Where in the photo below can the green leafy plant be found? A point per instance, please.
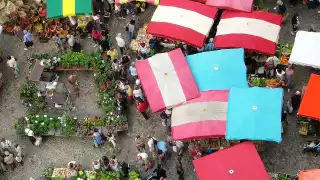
(20, 126)
(71, 59)
(47, 172)
(69, 125)
(31, 98)
(108, 175)
(133, 175)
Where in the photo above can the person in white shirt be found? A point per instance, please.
(96, 165)
(9, 159)
(71, 40)
(5, 144)
(152, 142)
(143, 156)
(121, 43)
(178, 147)
(13, 64)
(18, 152)
(137, 92)
(280, 74)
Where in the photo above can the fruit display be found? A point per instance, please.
(256, 81)
(142, 37)
(61, 172)
(274, 83)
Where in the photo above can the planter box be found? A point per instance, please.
(74, 68)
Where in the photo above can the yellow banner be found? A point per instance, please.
(69, 7)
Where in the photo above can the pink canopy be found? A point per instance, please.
(182, 20)
(256, 31)
(239, 5)
(167, 80)
(202, 117)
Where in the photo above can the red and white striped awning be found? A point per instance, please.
(182, 20)
(203, 117)
(257, 31)
(167, 80)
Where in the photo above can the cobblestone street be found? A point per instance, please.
(285, 157)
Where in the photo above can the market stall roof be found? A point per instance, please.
(219, 70)
(309, 106)
(305, 49)
(238, 162)
(243, 5)
(313, 174)
(183, 20)
(254, 114)
(167, 80)
(256, 31)
(201, 1)
(202, 117)
(63, 8)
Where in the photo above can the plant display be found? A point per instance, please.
(41, 124)
(69, 125)
(256, 81)
(94, 121)
(20, 126)
(47, 172)
(32, 98)
(46, 60)
(108, 175)
(133, 175)
(284, 50)
(71, 59)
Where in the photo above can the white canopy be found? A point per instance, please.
(306, 50)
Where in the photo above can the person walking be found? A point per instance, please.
(131, 29)
(5, 144)
(141, 147)
(179, 168)
(296, 100)
(96, 35)
(152, 143)
(289, 77)
(113, 53)
(18, 153)
(27, 39)
(295, 23)
(71, 41)
(13, 65)
(210, 45)
(133, 70)
(9, 160)
(142, 107)
(121, 43)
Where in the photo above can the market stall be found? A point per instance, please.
(244, 5)
(259, 29)
(167, 80)
(255, 81)
(309, 174)
(212, 70)
(305, 51)
(187, 21)
(65, 8)
(308, 113)
(284, 176)
(241, 161)
(202, 117)
(254, 114)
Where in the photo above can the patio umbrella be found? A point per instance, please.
(256, 31)
(254, 114)
(202, 117)
(313, 174)
(167, 80)
(219, 70)
(182, 20)
(311, 99)
(63, 8)
(239, 162)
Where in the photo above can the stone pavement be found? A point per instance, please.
(286, 157)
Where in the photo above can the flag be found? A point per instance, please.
(167, 80)
(63, 8)
(202, 117)
(182, 20)
(256, 31)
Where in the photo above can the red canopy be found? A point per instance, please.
(239, 162)
(311, 98)
(239, 5)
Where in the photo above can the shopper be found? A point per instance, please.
(161, 173)
(71, 41)
(27, 39)
(58, 43)
(289, 77)
(5, 144)
(12, 63)
(89, 28)
(178, 147)
(18, 153)
(133, 70)
(152, 143)
(104, 44)
(295, 23)
(9, 160)
(96, 165)
(143, 156)
(179, 168)
(142, 107)
(114, 164)
(280, 74)
(210, 45)
(295, 101)
(129, 93)
(96, 35)
(131, 29)
(143, 51)
(113, 54)
(121, 43)
(141, 147)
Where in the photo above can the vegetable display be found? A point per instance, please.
(31, 97)
(71, 59)
(133, 175)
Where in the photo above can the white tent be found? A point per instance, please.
(306, 50)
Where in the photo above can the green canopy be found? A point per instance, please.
(63, 8)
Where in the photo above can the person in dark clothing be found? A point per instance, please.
(282, 9)
(296, 100)
(125, 59)
(76, 47)
(295, 23)
(160, 172)
(89, 28)
(104, 43)
(125, 168)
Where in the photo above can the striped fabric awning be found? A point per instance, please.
(63, 8)
(203, 117)
(257, 31)
(182, 20)
(167, 80)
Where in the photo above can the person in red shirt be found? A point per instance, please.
(142, 107)
(96, 35)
